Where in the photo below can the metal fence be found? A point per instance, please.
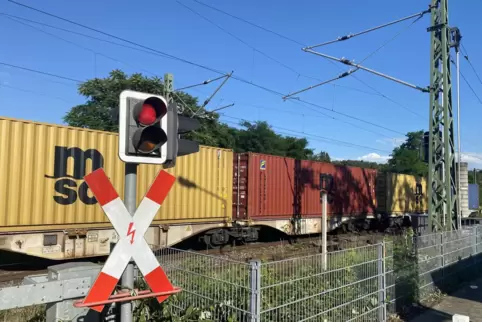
(360, 284)
(419, 267)
(299, 289)
(213, 288)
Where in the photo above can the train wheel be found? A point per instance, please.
(216, 238)
(344, 228)
(351, 227)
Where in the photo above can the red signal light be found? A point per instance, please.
(149, 111)
(148, 114)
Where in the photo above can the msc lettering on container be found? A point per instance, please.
(67, 183)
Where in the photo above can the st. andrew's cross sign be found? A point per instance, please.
(131, 244)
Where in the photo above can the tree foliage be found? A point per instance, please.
(321, 156)
(406, 158)
(360, 164)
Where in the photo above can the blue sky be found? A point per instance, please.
(171, 28)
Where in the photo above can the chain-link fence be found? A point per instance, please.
(359, 284)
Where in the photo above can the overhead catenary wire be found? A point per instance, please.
(348, 73)
(468, 83)
(185, 105)
(118, 38)
(283, 96)
(317, 106)
(321, 116)
(12, 18)
(208, 81)
(75, 44)
(34, 92)
(471, 88)
(243, 41)
(175, 93)
(466, 56)
(299, 102)
(377, 92)
(206, 102)
(350, 116)
(290, 95)
(220, 108)
(349, 36)
(189, 62)
(326, 139)
(250, 23)
(40, 72)
(358, 66)
(183, 60)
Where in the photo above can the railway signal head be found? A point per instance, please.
(149, 129)
(177, 125)
(425, 145)
(143, 128)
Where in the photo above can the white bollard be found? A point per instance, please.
(460, 318)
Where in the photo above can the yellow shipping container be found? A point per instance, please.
(42, 188)
(401, 194)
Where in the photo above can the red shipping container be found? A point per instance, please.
(351, 190)
(267, 186)
(263, 186)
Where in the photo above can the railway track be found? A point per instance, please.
(14, 267)
(279, 249)
(9, 278)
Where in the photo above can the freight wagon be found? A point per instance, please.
(47, 210)
(284, 193)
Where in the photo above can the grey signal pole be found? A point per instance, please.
(130, 200)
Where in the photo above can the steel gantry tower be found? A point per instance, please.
(442, 191)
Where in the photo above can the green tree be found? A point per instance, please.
(406, 158)
(260, 137)
(359, 163)
(321, 156)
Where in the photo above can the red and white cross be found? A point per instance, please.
(131, 230)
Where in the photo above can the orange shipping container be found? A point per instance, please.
(42, 188)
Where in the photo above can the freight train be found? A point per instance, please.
(47, 209)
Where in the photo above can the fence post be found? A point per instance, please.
(255, 290)
(442, 256)
(474, 243)
(381, 282)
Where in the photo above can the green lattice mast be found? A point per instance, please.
(442, 192)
